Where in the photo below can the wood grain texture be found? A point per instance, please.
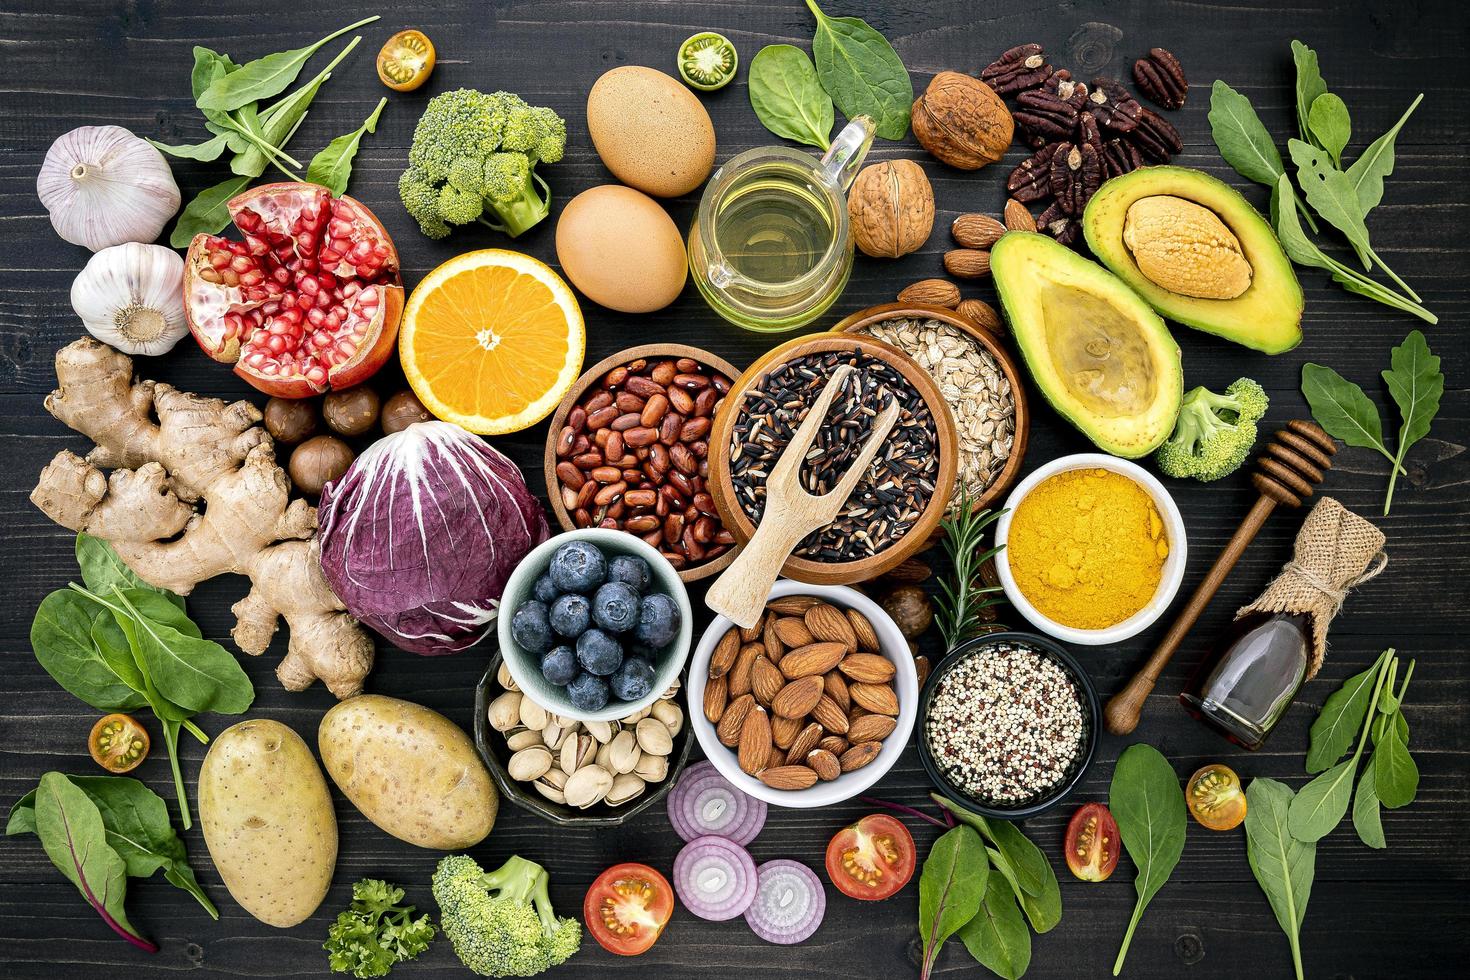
(1397, 913)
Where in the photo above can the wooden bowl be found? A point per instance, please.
(574, 395)
(733, 515)
(1021, 427)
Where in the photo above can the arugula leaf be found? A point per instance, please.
(264, 77)
(210, 149)
(1148, 804)
(1309, 85)
(997, 937)
(1376, 162)
(787, 97)
(1331, 195)
(332, 167)
(1367, 820)
(1283, 865)
(952, 885)
(1416, 384)
(1331, 125)
(207, 214)
(1341, 717)
(862, 72)
(277, 124)
(1245, 144)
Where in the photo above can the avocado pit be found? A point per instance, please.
(1185, 248)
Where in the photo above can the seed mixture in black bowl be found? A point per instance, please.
(889, 498)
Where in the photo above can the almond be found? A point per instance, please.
(871, 728)
(980, 313)
(835, 744)
(931, 292)
(836, 687)
(860, 755)
(792, 605)
(754, 753)
(792, 631)
(749, 634)
(867, 637)
(805, 741)
(789, 777)
(877, 698)
(740, 672)
(766, 681)
(824, 764)
(798, 698)
(785, 731)
(725, 651)
(856, 712)
(733, 720)
(775, 649)
(1017, 217)
(829, 624)
(716, 697)
(976, 230)
(814, 658)
(910, 571)
(867, 668)
(829, 716)
(967, 263)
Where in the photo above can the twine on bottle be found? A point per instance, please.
(1336, 551)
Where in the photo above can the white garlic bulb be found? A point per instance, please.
(131, 297)
(104, 186)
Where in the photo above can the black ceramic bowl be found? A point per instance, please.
(496, 754)
(1091, 708)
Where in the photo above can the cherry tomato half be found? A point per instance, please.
(118, 743)
(627, 908)
(1215, 797)
(872, 859)
(405, 61)
(1092, 843)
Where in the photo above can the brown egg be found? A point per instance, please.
(621, 249)
(651, 131)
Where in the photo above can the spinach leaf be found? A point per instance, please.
(61, 636)
(264, 77)
(207, 213)
(192, 672)
(113, 647)
(1341, 718)
(1395, 775)
(1331, 125)
(210, 149)
(1376, 162)
(1367, 820)
(1282, 863)
(332, 167)
(1341, 408)
(1148, 803)
(1416, 384)
(862, 72)
(1309, 85)
(951, 887)
(787, 98)
(1043, 911)
(72, 834)
(102, 569)
(1241, 137)
(997, 937)
(1026, 860)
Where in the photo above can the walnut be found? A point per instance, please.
(892, 208)
(962, 122)
(1185, 248)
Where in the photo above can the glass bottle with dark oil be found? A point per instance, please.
(1249, 680)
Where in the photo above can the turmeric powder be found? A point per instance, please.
(1087, 548)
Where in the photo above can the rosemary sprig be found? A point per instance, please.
(964, 594)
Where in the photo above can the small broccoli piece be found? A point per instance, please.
(502, 924)
(375, 931)
(1214, 433)
(421, 199)
(460, 207)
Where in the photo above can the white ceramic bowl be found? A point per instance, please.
(525, 666)
(850, 784)
(1169, 580)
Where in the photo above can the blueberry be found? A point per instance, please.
(578, 566)
(633, 680)
(615, 607)
(530, 628)
(545, 590)
(588, 692)
(658, 621)
(571, 614)
(598, 652)
(559, 665)
(631, 570)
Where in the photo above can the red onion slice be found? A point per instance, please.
(789, 903)
(715, 878)
(705, 803)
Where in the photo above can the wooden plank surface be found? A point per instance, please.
(1395, 913)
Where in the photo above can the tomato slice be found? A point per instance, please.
(406, 60)
(627, 908)
(872, 859)
(118, 743)
(1215, 797)
(1092, 843)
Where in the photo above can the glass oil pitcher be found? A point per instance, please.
(770, 248)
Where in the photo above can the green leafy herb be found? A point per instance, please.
(1146, 800)
(1043, 909)
(210, 149)
(61, 636)
(997, 937)
(103, 570)
(376, 931)
(207, 214)
(332, 167)
(1028, 865)
(1245, 144)
(1309, 85)
(1395, 774)
(264, 77)
(862, 72)
(952, 885)
(1282, 863)
(964, 594)
(1331, 125)
(1376, 162)
(787, 97)
(279, 123)
(1341, 718)
(1367, 820)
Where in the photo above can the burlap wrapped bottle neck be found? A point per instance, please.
(1335, 551)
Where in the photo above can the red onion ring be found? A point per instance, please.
(789, 903)
(705, 803)
(714, 878)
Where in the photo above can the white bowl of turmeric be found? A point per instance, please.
(1094, 548)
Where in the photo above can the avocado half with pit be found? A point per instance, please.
(1101, 356)
(1199, 253)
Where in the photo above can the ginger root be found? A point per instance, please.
(195, 494)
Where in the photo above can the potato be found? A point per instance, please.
(268, 821)
(411, 771)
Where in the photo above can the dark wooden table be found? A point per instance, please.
(1394, 913)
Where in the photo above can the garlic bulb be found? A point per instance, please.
(105, 186)
(131, 296)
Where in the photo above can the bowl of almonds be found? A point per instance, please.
(813, 704)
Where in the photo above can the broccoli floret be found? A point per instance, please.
(1214, 433)
(486, 145)
(501, 924)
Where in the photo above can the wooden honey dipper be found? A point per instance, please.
(1293, 466)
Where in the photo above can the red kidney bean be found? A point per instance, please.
(724, 537)
(581, 445)
(663, 373)
(570, 476)
(694, 430)
(569, 498)
(673, 528)
(642, 524)
(640, 436)
(577, 418)
(598, 401)
(653, 539)
(608, 522)
(682, 401)
(691, 381)
(658, 458)
(613, 448)
(585, 495)
(704, 530)
(609, 493)
(616, 510)
(644, 387)
(683, 458)
(654, 411)
(606, 474)
(587, 461)
(615, 377)
(602, 417)
(581, 518)
(565, 440)
(704, 402)
(680, 482)
(661, 509)
(705, 504)
(640, 498)
(668, 429)
(691, 547)
(628, 402)
(624, 422)
(675, 559)
(720, 383)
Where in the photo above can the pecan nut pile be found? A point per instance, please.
(1161, 79)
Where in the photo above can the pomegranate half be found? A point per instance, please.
(309, 300)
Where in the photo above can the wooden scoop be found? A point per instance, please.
(1287, 474)
(791, 513)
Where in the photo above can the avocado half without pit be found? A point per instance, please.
(1101, 356)
(1198, 253)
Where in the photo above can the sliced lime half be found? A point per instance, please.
(707, 61)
